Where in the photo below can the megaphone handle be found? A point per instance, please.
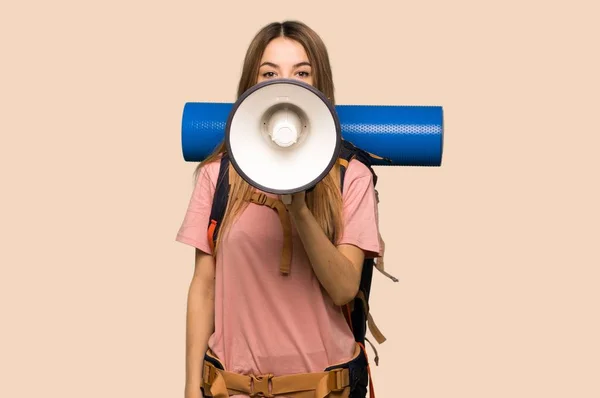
(286, 199)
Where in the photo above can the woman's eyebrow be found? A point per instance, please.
(305, 63)
(267, 63)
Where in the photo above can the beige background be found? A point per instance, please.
(496, 251)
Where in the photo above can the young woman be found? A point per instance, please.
(246, 321)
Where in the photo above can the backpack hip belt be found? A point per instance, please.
(219, 383)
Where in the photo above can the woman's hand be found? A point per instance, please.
(295, 203)
(337, 268)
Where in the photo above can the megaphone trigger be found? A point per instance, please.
(286, 199)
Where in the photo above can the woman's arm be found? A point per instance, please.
(337, 268)
(199, 321)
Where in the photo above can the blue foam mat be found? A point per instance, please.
(406, 135)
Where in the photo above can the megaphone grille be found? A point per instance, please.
(283, 136)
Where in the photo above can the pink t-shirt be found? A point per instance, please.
(266, 322)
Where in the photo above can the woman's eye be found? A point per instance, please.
(303, 74)
(268, 74)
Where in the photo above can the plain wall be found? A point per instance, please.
(496, 250)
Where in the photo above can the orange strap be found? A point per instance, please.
(371, 387)
(211, 233)
(260, 198)
(343, 162)
(370, 322)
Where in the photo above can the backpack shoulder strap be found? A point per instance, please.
(357, 311)
(349, 152)
(219, 205)
(219, 202)
(361, 315)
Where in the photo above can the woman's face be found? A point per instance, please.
(284, 58)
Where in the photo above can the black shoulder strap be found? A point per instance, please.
(219, 202)
(348, 152)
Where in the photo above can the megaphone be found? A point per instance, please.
(283, 135)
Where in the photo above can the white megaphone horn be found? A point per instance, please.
(283, 136)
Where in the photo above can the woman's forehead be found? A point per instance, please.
(283, 51)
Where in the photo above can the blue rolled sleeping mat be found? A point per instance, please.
(405, 135)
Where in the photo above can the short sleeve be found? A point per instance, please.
(194, 228)
(360, 216)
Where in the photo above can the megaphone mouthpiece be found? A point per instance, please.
(284, 127)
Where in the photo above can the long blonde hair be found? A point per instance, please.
(325, 200)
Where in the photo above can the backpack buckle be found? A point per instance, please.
(335, 381)
(209, 374)
(260, 386)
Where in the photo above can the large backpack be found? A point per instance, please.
(357, 312)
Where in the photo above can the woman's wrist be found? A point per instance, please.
(300, 212)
